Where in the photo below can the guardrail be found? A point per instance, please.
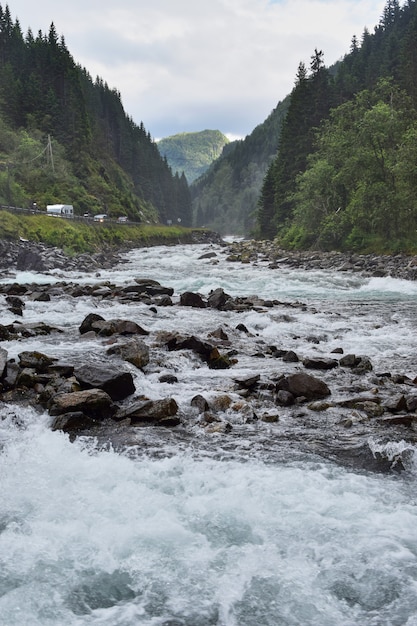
(80, 218)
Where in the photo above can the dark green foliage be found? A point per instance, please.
(225, 198)
(192, 153)
(88, 151)
(346, 172)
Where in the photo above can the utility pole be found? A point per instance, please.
(49, 154)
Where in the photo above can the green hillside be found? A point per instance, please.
(192, 153)
(225, 198)
(65, 138)
(345, 176)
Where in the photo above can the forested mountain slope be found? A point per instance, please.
(225, 197)
(345, 176)
(66, 138)
(191, 154)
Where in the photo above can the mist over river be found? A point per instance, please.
(267, 524)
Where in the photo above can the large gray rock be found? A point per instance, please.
(117, 384)
(304, 385)
(134, 351)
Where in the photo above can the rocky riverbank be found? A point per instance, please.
(23, 255)
(398, 265)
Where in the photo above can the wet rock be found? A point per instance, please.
(117, 327)
(284, 397)
(118, 385)
(189, 298)
(217, 299)
(204, 349)
(168, 378)
(249, 382)
(200, 403)
(290, 357)
(219, 334)
(94, 403)
(162, 412)
(134, 351)
(304, 385)
(320, 363)
(73, 422)
(3, 361)
(87, 323)
(395, 404)
(37, 360)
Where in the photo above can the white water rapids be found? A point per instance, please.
(196, 535)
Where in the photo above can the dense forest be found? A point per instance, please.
(65, 137)
(192, 153)
(225, 198)
(345, 175)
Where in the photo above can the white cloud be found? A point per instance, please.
(189, 65)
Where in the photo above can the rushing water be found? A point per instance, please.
(194, 535)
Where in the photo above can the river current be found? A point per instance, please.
(169, 532)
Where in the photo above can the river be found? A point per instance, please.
(255, 529)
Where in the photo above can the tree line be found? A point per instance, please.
(345, 176)
(65, 137)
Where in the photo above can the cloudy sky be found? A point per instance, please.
(189, 65)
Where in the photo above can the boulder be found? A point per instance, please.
(189, 298)
(94, 403)
(204, 349)
(320, 363)
(73, 422)
(162, 412)
(117, 384)
(217, 299)
(29, 260)
(117, 327)
(37, 360)
(87, 323)
(304, 385)
(134, 351)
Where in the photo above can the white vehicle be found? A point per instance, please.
(63, 210)
(100, 218)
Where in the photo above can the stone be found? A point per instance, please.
(134, 351)
(200, 403)
(117, 384)
(320, 363)
(302, 384)
(94, 403)
(36, 360)
(3, 361)
(217, 299)
(117, 327)
(73, 422)
(162, 412)
(87, 323)
(189, 298)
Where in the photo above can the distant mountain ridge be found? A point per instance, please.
(192, 153)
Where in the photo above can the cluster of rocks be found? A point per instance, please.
(81, 396)
(398, 265)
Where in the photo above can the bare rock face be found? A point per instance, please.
(29, 260)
